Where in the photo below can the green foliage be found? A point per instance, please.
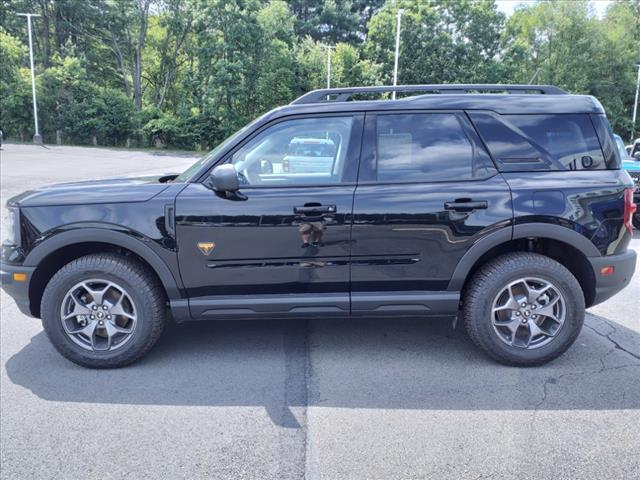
(349, 70)
(79, 109)
(187, 73)
(564, 44)
(15, 87)
(441, 42)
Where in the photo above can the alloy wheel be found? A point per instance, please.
(98, 315)
(528, 313)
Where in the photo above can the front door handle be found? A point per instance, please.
(464, 205)
(315, 209)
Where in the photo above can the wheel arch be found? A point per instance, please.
(567, 247)
(62, 248)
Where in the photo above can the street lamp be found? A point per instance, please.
(37, 138)
(635, 105)
(395, 63)
(328, 47)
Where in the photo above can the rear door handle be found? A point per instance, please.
(466, 205)
(306, 210)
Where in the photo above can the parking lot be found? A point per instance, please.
(324, 399)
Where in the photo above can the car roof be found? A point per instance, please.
(506, 104)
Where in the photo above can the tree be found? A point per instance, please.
(441, 42)
(565, 44)
(190, 72)
(349, 70)
(333, 21)
(16, 115)
(126, 23)
(168, 34)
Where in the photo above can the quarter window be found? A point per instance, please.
(541, 142)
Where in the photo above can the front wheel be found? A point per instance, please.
(103, 310)
(523, 309)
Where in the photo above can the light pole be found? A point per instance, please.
(328, 47)
(37, 138)
(395, 63)
(635, 105)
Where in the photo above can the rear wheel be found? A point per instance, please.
(636, 221)
(523, 309)
(103, 310)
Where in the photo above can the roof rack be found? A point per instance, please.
(344, 94)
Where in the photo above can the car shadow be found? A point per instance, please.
(392, 363)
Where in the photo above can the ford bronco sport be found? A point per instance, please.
(503, 205)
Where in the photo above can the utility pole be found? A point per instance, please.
(635, 105)
(395, 63)
(329, 48)
(37, 138)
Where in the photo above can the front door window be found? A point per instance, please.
(304, 151)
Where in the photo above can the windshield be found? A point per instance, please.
(189, 172)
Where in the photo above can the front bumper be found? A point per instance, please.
(18, 290)
(624, 265)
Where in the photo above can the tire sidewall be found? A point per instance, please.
(574, 304)
(55, 294)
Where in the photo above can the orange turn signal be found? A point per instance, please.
(606, 271)
(19, 277)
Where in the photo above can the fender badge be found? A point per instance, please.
(206, 247)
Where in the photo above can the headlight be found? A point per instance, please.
(11, 226)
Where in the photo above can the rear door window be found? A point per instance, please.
(541, 142)
(426, 147)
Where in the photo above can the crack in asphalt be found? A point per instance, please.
(608, 337)
(603, 368)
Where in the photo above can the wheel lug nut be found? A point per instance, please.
(533, 307)
(101, 322)
(517, 314)
(523, 305)
(92, 317)
(95, 307)
(108, 317)
(104, 307)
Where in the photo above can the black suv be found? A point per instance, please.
(505, 205)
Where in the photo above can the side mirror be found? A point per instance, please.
(636, 155)
(224, 178)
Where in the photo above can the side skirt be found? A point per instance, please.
(239, 307)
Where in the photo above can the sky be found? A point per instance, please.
(508, 6)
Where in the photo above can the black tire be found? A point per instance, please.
(141, 285)
(492, 278)
(636, 221)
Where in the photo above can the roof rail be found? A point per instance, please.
(344, 94)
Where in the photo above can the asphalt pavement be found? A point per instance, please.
(325, 399)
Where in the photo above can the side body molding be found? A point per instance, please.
(113, 237)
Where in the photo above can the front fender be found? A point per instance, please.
(120, 238)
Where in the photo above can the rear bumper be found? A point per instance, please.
(624, 265)
(19, 291)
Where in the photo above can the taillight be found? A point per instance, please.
(629, 209)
